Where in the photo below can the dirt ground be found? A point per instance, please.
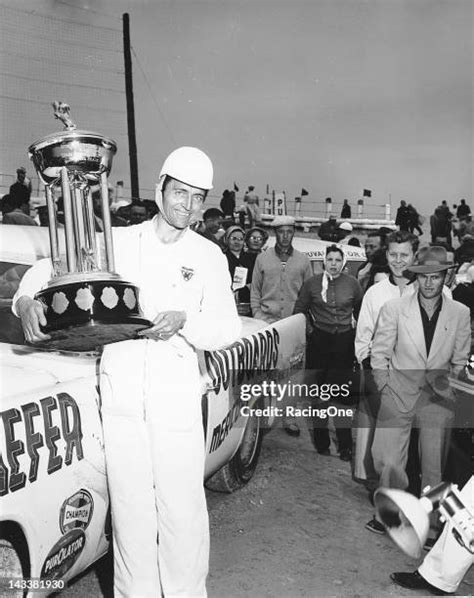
(295, 531)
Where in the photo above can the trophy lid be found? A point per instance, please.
(82, 152)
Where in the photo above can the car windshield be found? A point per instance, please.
(10, 326)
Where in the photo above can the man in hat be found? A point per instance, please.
(420, 340)
(343, 231)
(150, 386)
(278, 276)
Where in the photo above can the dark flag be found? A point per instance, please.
(303, 192)
(235, 187)
(366, 193)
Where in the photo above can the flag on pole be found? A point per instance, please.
(236, 189)
(303, 192)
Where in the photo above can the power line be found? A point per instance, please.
(97, 12)
(67, 42)
(18, 98)
(68, 83)
(74, 64)
(33, 13)
(153, 96)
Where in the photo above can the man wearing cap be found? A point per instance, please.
(278, 276)
(420, 340)
(344, 230)
(150, 387)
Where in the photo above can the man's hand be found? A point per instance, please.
(32, 317)
(166, 325)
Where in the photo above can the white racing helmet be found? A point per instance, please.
(189, 165)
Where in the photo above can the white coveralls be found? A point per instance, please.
(448, 562)
(151, 413)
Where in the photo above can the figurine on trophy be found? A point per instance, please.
(87, 303)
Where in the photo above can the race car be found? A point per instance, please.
(54, 520)
(315, 249)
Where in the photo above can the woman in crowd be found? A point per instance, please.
(238, 258)
(331, 300)
(255, 239)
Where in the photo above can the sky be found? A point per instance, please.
(330, 95)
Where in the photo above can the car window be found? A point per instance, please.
(10, 326)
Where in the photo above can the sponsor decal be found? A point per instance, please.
(221, 431)
(187, 273)
(76, 511)
(243, 360)
(63, 555)
(52, 424)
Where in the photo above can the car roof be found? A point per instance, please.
(315, 249)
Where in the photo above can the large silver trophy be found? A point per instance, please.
(87, 303)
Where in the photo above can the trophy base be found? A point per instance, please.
(91, 336)
(83, 316)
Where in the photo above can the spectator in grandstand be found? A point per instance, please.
(21, 188)
(414, 220)
(138, 213)
(115, 219)
(228, 204)
(465, 252)
(440, 225)
(373, 243)
(331, 300)
(354, 242)
(402, 219)
(328, 230)
(343, 232)
(212, 218)
(346, 210)
(463, 210)
(16, 211)
(464, 291)
(253, 210)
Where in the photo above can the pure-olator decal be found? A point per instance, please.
(63, 555)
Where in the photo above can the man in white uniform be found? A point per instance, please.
(150, 388)
(444, 567)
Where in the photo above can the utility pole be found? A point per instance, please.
(132, 141)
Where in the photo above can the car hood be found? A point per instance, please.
(23, 369)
